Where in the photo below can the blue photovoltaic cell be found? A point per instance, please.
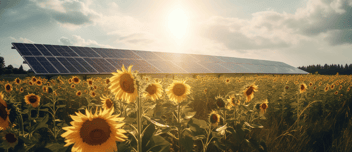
(42, 49)
(68, 65)
(216, 68)
(78, 51)
(127, 54)
(33, 49)
(52, 50)
(206, 58)
(90, 51)
(22, 49)
(146, 55)
(37, 67)
(78, 66)
(192, 67)
(167, 66)
(175, 56)
(141, 65)
(85, 65)
(46, 64)
(101, 52)
(106, 65)
(57, 64)
(95, 65)
(235, 67)
(69, 51)
(62, 51)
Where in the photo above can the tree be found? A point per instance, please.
(2, 62)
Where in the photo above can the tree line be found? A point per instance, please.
(331, 69)
(10, 69)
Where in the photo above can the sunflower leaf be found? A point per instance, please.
(158, 143)
(42, 123)
(155, 123)
(60, 106)
(82, 108)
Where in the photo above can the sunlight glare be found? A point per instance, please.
(178, 23)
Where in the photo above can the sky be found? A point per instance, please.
(296, 32)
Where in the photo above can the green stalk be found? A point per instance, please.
(139, 122)
(180, 128)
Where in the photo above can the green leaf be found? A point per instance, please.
(54, 146)
(44, 109)
(82, 108)
(159, 144)
(197, 126)
(25, 111)
(199, 137)
(187, 141)
(154, 122)
(42, 124)
(189, 114)
(148, 133)
(252, 125)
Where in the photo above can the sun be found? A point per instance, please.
(178, 22)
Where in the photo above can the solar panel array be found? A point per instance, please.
(57, 59)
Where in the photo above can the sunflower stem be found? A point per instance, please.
(139, 121)
(180, 127)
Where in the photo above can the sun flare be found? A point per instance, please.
(178, 22)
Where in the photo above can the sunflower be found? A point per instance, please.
(4, 113)
(348, 89)
(18, 81)
(302, 88)
(95, 87)
(32, 99)
(107, 103)
(34, 79)
(178, 91)
(147, 78)
(107, 81)
(326, 88)
(249, 92)
(91, 133)
(332, 86)
(45, 89)
(72, 86)
(264, 106)
(9, 139)
(8, 87)
(123, 85)
(69, 80)
(336, 92)
(286, 87)
(92, 94)
(153, 91)
(220, 102)
(320, 83)
(340, 87)
(39, 82)
(314, 88)
(21, 89)
(75, 80)
(310, 84)
(233, 101)
(227, 81)
(214, 119)
(90, 82)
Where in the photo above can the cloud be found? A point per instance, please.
(5, 4)
(273, 30)
(139, 39)
(79, 41)
(65, 41)
(23, 40)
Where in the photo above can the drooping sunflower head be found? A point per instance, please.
(220, 102)
(8, 87)
(264, 106)
(9, 139)
(30, 83)
(98, 132)
(302, 87)
(214, 119)
(18, 81)
(153, 91)
(249, 92)
(326, 88)
(314, 87)
(123, 85)
(78, 93)
(90, 82)
(95, 87)
(32, 99)
(107, 102)
(178, 91)
(75, 80)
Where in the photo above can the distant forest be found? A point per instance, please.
(328, 69)
(323, 70)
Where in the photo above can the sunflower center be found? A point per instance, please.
(213, 118)
(107, 81)
(151, 89)
(249, 91)
(126, 83)
(220, 103)
(108, 103)
(3, 112)
(38, 82)
(75, 80)
(90, 82)
(17, 81)
(179, 89)
(34, 79)
(8, 87)
(264, 106)
(95, 132)
(10, 138)
(302, 87)
(33, 99)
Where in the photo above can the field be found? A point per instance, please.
(248, 113)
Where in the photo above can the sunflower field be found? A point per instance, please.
(133, 112)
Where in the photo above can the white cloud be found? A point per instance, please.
(79, 41)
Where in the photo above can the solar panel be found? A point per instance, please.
(46, 64)
(104, 64)
(43, 50)
(175, 56)
(146, 55)
(22, 49)
(127, 54)
(192, 67)
(67, 64)
(79, 51)
(95, 65)
(52, 50)
(101, 52)
(140, 65)
(89, 51)
(235, 67)
(68, 51)
(86, 65)
(216, 68)
(78, 66)
(57, 65)
(206, 58)
(33, 49)
(35, 65)
(167, 66)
